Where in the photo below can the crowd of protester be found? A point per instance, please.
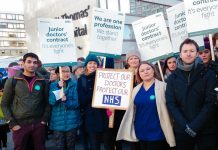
(177, 112)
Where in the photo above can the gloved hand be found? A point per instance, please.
(190, 132)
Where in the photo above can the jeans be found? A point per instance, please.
(37, 133)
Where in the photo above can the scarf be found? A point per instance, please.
(188, 67)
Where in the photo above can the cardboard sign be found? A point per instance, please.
(201, 16)
(177, 25)
(152, 37)
(107, 32)
(57, 44)
(113, 88)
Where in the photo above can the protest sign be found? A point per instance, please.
(201, 16)
(57, 44)
(152, 37)
(107, 32)
(113, 88)
(177, 25)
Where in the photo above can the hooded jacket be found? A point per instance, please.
(28, 103)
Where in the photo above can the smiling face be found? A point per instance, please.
(188, 53)
(133, 62)
(146, 72)
(91, 66)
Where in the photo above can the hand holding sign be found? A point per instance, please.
(113, 88)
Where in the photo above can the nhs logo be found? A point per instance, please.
(112, 100)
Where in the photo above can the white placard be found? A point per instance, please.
(201, 16)
(57, 94)
(107, 31)
(57, 44)
(152, 37)
(113, 88)
(177, 25)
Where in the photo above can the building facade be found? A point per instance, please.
(12, 34)
(134, 9)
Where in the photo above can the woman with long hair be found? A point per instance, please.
(95, 120)
(146, 119)
(169, 66)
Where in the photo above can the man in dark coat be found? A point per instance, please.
(191, 100)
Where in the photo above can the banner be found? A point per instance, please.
(201, 16)
(113, 88)
(177, 25)
(107, 32)
(57, 44)
(152, 37)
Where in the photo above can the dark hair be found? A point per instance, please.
(13, 64)
(215, 37)
(30, 55)
(81, 59)
(165, 66)
(138, 78)
(188, 41)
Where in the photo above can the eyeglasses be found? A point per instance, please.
(65, 71)
(205, 51)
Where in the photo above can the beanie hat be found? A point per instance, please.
(91, 57)
(79, 65)
(133, 53)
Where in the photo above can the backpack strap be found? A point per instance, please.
(14, 82)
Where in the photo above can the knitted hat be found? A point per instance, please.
(91, 57)
(133, 53)
(79, 65)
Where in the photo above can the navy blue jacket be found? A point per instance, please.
(190, 99)
(94, 119)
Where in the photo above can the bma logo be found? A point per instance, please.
(112, 100)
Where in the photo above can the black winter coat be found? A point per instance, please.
(94, 119)
(190, 99)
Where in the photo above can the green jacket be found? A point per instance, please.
(25, 103)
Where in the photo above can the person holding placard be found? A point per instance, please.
(65, 115)
(169, 66)
(95, 120)
(190, 100)
(146, 119)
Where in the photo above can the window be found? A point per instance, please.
(21, 44)
(124, 6)
(3, 25)
(10, 25)
(113, 5)
(6, 43)
(22, 35)
(128, 32)
(11, 34)
(9, 16)
(22, 26)
(20, 17)
(103, 4)
(3, 16)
